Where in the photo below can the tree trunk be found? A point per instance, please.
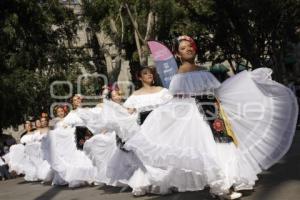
(138, 46)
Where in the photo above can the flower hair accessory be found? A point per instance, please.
(188, 38)
(65, 108)
(113, 88)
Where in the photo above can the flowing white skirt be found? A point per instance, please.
(125, 168)
(263, 115)
(70, 165)
(29, 160)
(238, 174)
(36, 168)
(175, 137)
(112, 117)
(15, 158)
(100, 148)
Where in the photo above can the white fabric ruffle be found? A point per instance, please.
(100, 148)
(28, 138)
(73, 119)
(237, 173)
(148, 102)
(176, 136)
(193, 83)
(35, 166)
(15, 158)
(33, 161)
(117, 119)
(70, 165)
(263, 114)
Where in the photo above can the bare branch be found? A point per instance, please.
(122, 23)
(138, 45)
(150, 25)
(113, 26)
(134, 23)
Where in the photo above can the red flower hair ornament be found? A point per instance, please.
(188, 38)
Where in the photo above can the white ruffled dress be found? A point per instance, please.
(143, 176)
(116, 167)
(15, 158)
(177, 137)
(36, 167)
(263, 115)
(70, 165)
(102, 146)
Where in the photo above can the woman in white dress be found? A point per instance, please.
(102, 146)
(140, 103)
(37, 168)
(15, 157)
(45, 172)
(70, 165)
(177, 136)
(49, 143)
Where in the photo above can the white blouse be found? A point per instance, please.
(73, 119)
(28, 138)
(147, 102)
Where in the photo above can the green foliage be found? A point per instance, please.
(34, 49)
(36, 40)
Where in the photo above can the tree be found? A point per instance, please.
(255, 31)
(35, 47)
(128, 25)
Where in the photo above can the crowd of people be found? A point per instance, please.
(192, 136)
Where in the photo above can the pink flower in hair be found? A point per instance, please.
(188, 38)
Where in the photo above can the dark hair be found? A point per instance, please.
(175, 50)
(139, 72)
(28, 122)
(139, 75)
(109, 95)
(175, 47)
(177, 42)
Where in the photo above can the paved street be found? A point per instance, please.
(281, 182)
